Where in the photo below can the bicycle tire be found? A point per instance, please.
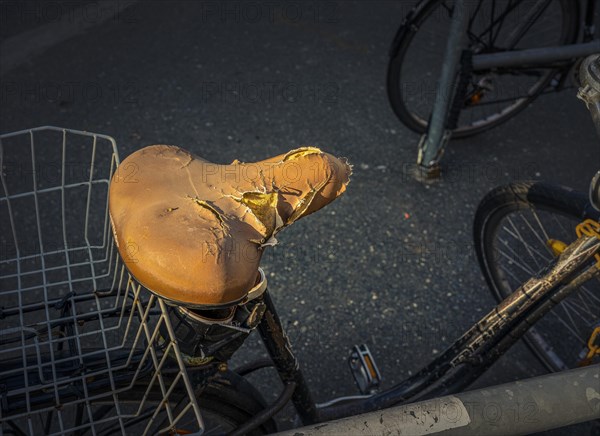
(405, 35)
(227, 402)
(235, 394)
(541, 200)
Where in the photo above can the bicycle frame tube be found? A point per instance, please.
(482, 344)
(461, 380)
(464, 361)
(535, 56)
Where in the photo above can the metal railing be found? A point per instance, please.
(522, 407)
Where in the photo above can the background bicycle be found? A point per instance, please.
(473, 97)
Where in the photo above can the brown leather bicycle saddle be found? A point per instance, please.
(194, 232)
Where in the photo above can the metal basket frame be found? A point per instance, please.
(77, 333)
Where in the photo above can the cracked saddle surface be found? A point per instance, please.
(194, 232)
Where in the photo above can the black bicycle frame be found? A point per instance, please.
(465, 360)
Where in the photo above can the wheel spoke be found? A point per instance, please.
(518, 280)
(491, 34)
(543, 241)
(578, 308)
(512, 261)
(528, 247)
(584, 291)
(490, 28)
(563, 322)
(517, 34)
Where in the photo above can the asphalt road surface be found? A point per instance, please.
(390, 263)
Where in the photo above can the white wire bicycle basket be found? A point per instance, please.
(83, 348)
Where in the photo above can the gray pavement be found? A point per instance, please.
(391, 262)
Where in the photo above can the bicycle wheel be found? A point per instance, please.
(225, 403)
(492, 97)
(512, 229)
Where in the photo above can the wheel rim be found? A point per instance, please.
(520, 251)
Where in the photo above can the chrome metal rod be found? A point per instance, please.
(523, 407)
